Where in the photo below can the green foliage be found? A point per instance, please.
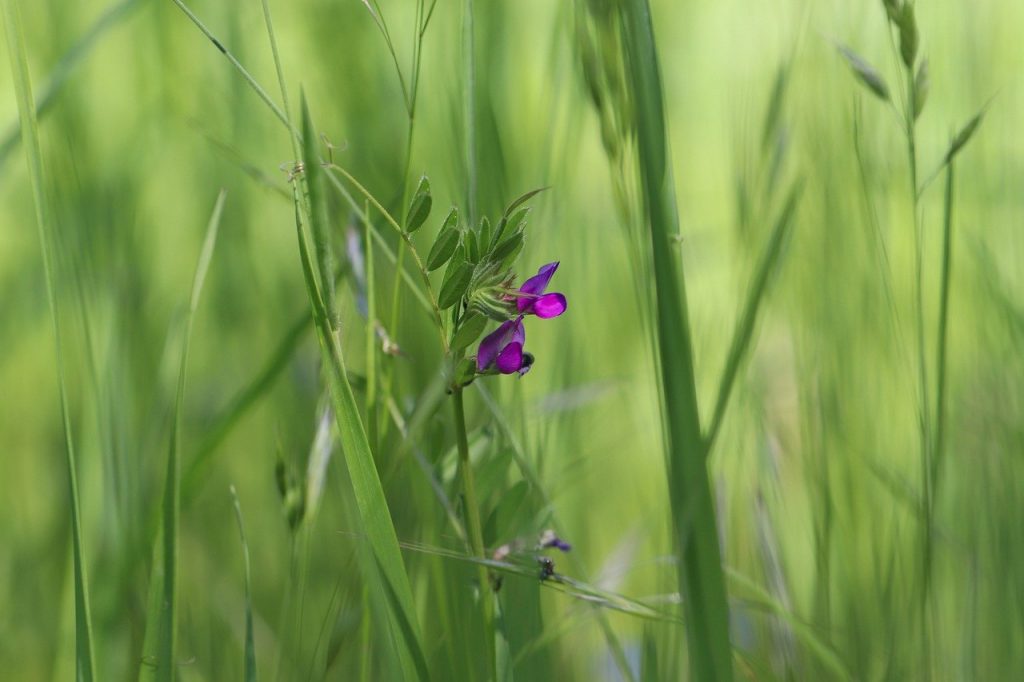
(49, 240)
(456, 283)
(469, 330)
(868, 530)
(374, 515)
(446, 242)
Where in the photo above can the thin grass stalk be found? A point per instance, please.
(168, 629)
(476, 538)
(744, 333)
(407, 239)
(422, 18)
(85, 665)
(531, 476)
(701, 580)
(316, 209)
(250, 640)
(330, 168)
(592, 595)
(469, 57)
(318, 221)
(941, 398)
(372, 422)
(195, 474)
(884, 266)
(253, 83)
(65, 66)
(279, 70)
(924, 407)
(943, 333)
(364, 638)
(373, 512)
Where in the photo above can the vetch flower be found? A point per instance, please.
(502, 350)
(549, 540)
(531, 299)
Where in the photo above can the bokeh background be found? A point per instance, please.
(816, 470)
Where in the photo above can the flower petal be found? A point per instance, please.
(548, 305)
(518, 333)
(510, 359)
(493, 343)
(536, 285)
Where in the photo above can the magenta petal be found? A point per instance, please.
(510, 359)
(518, 334)
(493, 343)
(549, 305)
(536, 285)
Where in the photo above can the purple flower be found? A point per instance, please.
(503, 349)
(533, 300)
(549, 540)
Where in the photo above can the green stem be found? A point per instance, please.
(396, 290)
(371, 344)
(475, 534)
(470, 103)
(922, 360)
(941, 397)
(257, 88)
(407, 239)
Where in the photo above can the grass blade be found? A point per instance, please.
(818, 647)
(317, 218)
(524, 567)
(701, 580)
(250, 645)
(85, 666)
(67, 63)
(257, 88)
(240, 405)
(745, 331)
(167, 638)
(368, 492)
(371, 339)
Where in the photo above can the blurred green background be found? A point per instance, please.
(816, 469)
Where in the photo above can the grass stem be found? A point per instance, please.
(472, 508)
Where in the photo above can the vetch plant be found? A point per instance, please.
(477, 286)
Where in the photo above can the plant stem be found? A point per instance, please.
(396, 290)
(475, 534)
(408, 241)
(470, 103)
(922, 364)
(372, 425)
(410, 106)
(941, 397)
